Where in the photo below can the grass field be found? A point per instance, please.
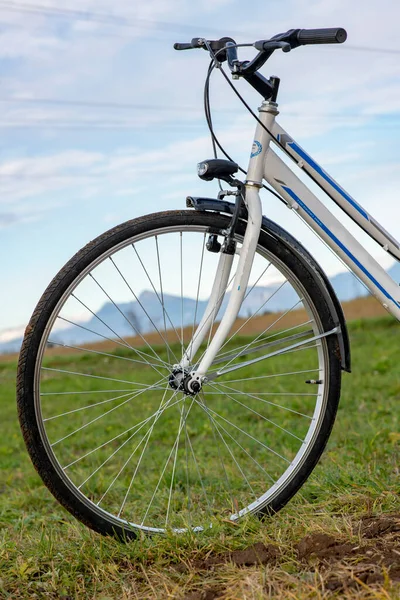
(339, 537)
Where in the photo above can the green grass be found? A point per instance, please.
(45, 553)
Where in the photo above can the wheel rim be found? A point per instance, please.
(150, 457)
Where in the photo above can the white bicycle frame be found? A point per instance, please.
(266, 164)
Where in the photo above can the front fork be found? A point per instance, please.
(255, 174)
(221, 282)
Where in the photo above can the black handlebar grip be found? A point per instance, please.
(179, 46)
(195, 43)
(333, 35)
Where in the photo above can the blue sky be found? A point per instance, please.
(69, 169)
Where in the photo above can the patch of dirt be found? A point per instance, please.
(343, 564)
(373, 527)
(362, 574)
(257, 554)
(354, 564)
(324, 546)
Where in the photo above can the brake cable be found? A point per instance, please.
(215, 63)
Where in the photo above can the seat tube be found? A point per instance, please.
(253, 184)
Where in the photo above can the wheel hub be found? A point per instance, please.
(181, 379)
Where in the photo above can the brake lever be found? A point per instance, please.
(271, 45)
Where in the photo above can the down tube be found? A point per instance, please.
(329, 228)
(337, 193)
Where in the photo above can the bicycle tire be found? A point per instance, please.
(33, 378)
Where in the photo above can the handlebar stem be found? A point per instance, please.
(232, 55)
(260, 84)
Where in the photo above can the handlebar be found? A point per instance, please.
(285, 41)
(226, 49)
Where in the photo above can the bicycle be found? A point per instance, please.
(154, 412)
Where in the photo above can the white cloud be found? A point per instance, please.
(53, 165)
(59, 57)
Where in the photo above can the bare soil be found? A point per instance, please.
(257, 554)
(371, 556)
(373, 559)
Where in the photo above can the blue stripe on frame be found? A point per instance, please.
(325, 176)
(339, 243)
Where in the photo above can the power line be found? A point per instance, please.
(126, 128)
(114, 20)
(370, 49)
(131, 106)
(93, 126)
(138, 23)
(96, 104)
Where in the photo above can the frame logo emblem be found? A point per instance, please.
(255, 149)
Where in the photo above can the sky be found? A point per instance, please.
(101, 119)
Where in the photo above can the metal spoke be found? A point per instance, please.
(199, 283)
(213, 315)
(216, 427)
(121, 469)
(253, 315)
(199, 474)
(146, 437)
(112, 455)
(256, 339)
(165, 466)
(271, 376)
(104, 414)
(187, 462)
(155, 291)
(263, 393)
(138, 425)
(93, 376)
(144, 448)
(145, 311)
(86, 407)
(220, 355)
(303, 348)
(114, 341)
(125, 343)
(241, 447)
(82, 392)
(90, 351)
(162, 296)
(181, 263)
(221, 460)
(173, 471)
(262, 416)
(254, 284)
(281, 332)
(248, 435)
(248, 349)
(126, 318)
(215, 374)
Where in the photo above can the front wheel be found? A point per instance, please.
(114, 438)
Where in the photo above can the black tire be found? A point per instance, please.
(35, 344)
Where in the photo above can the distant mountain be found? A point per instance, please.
(146, 314)
(347, 287)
